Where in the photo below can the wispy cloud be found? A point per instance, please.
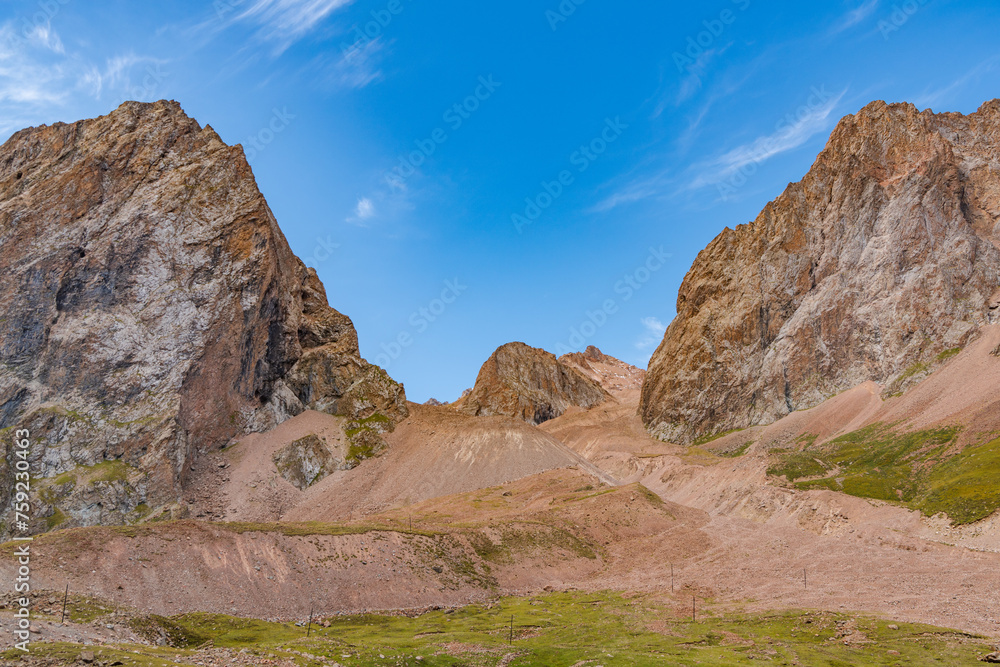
(365, 208)
(786, 137)
(933, 98)
(364, 211)
(46, 37)
(286, 21)
(116, 76)
(855, 16)
(355, 68)
(39, 78)
(652, 334)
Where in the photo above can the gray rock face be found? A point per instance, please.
(152, 308)
(305, 462)
(530, 384)
(883, 256)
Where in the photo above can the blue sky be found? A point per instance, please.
(467, 174)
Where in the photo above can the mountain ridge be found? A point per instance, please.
(885, 255)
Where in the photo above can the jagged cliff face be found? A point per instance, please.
(883, 256)
(530, 384)
(152, 309)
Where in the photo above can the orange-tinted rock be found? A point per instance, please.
(883, 256)
(530, 384)
(152, 308)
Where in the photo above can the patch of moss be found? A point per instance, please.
(518, 540)
(913, 369)
(108, 471)
(796, 465)
(56, 519)
(316, 528)
(948, 354)
(364, 437)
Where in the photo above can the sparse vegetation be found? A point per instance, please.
(705, 439)
(948, 354)
(560, 629)
(735, 453)
(918, 469)
(364, 437)
(793, 465)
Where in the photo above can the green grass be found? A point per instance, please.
(515, 541)
(705, 439)
(109, 471)
(735, 453)
(914, 369)
(557, 630)
(795, 465)
(965, 486)
(916, 469)
(364, 437)
(56, 519)
(948, 354)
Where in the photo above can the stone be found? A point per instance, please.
(529, 384)
(885, 254)
(305, 461)
(153, 311)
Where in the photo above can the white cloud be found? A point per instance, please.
(855, 16)
(365, 208)
(786, 137)
(354, 68)
(45, 37)
(363, 212)
(286, 21)
(652, 334)
(39, 79)
(935, 98)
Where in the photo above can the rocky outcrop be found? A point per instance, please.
(306, 461)
(152, 308)
(613, 375)
(885, 255)
(529, 384)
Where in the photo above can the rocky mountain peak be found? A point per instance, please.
(885, 255)
(530, 384)
(154, 310)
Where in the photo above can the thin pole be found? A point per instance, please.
(805, 581)
(694, 617)
(65, 599)
(511, 642)
(671, 577)
(309, 625)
